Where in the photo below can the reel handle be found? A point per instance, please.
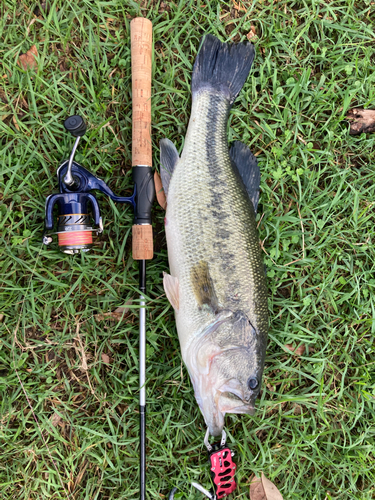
(141, 58)
(76, 125)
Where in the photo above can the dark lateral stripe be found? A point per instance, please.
(216, 141)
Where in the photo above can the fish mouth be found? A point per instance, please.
(217, 404)
(214, 409)
(244, 409)
(232, 403)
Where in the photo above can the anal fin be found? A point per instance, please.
(247, 167)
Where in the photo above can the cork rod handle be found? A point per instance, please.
(141, 57)
(141, 54)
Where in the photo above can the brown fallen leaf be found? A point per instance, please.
(43, 7)
(55, 419)
(84, 365)
(120, 313)
(105, 358)
(80, 474)
(300, 350)
(109, 316)
(257, 490)
(28, 60)
(263, 489)
(160, 194)
(62, 66)
(252, 33)
(272, 493)
(124, 309)
(14, 119)
(164, 7)
(361, 121)
(2, 318)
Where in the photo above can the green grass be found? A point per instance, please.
(313, 434)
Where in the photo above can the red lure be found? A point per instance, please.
(223, 469)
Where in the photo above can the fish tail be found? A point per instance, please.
(222, 67)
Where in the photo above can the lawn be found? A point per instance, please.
(67, 355)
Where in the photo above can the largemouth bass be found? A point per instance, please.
(217, 284)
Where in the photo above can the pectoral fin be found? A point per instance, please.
(203, 286)
(171, 287)
(168, 160)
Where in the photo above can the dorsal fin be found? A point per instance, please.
(168, 160)
(247, 166)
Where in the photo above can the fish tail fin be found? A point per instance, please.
(222, 67)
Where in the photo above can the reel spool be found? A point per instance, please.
(74, 227)
(76, 203)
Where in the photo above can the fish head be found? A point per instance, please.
(228, 369)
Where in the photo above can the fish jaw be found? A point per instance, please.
(207, 397)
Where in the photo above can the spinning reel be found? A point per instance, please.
(74, 223)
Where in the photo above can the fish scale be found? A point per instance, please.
(215, 260)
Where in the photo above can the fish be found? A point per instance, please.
(217, 284)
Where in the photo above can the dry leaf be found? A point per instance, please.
(62, 67)
(55, 419)
(263, 489)
(257, 490)
(28, 60)
(252, 33)
(43, 6)
(272, 493)
(2, 318)
(105, 358)
(116, 315)
(361, 121)
(83, 354)
(160, 194)
(80, 474)
(14, 119)
(111, 316)
(124, 309)
(164, 7)
(300, 350)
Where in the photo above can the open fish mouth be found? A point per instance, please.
(214, 410)
(231, 403)
(244, 409)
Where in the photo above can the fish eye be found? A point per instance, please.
(252, 383)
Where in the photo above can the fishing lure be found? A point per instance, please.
(222, 468)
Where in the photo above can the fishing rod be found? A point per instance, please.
(141, 56)
(77, 205)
